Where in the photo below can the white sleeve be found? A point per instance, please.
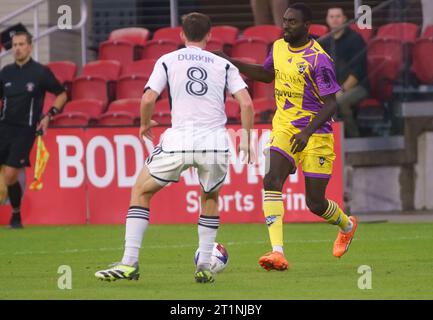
(158, 78)
(234, 79)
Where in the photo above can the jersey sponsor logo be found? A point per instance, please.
(30, 86)
(290, 78)
(196, 86)
(287, 94)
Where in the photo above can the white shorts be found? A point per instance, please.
(167, 166)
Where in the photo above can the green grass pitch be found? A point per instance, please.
(400, 256)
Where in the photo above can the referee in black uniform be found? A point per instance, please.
(22, 89)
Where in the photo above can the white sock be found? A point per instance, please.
(137, 221)
(207, 231)
(278, 249)
(348, 227)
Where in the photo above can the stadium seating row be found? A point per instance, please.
(105, 81)
(126, 112)
(111, 81)
(129, 44)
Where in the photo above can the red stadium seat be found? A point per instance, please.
(215, 44)
(72, 119)
(263, 90)
(162, 113)
(318, 30)
(137, 36)
(422, 65)
(140, 67)
(365, 33)
(157, 48)
(233, 110)
(263, 108)
(428, 32)
(269, 33)
(126, 105)
(119, 118)
(90, 107)
(130, 86)
(78, 113)
(87, 87)
(122, 51)
(253, 48)
(64, 71)
(406, 32)
(382, 71)
(168, 33)
(107, 69)
(227, 34)
(391, 49)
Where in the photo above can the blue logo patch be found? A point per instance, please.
(270, 220)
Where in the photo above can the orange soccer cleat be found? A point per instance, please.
(274, 261)
(343, 241)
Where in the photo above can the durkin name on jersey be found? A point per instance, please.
(194, 57)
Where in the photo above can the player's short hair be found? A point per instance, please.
(25, 34)
(338, 7)
(307, 14)
(196, 26)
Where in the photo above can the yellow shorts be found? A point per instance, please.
(316, 159)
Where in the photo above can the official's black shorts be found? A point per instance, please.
(15, 145)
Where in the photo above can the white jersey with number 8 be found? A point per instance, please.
(197, 81)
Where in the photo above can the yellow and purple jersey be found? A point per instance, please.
(302, 77)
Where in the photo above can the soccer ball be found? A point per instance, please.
(218, 260)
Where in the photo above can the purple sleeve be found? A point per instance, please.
(324, 76)
(269, 61)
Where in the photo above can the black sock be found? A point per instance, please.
(15, 193)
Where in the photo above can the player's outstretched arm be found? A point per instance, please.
(247, 120)
(299, 141)
(255, 72)
(147, 106)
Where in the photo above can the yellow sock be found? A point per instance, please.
(274, 212)
(335, 215)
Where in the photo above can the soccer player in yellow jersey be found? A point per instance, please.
(305, 87)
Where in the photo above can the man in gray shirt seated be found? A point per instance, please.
(349, 52)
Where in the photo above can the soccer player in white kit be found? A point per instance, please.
(197, 81)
